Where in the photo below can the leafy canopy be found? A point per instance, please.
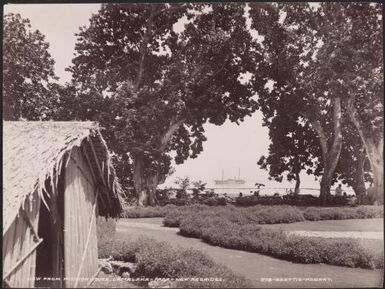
(153, 74)
(28, 71)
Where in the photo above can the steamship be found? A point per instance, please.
(234, 181)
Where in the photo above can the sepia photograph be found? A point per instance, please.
(193, 145)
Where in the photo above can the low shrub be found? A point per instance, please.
(292, 200)
(222, 232)
(341, 213)
(274, 215)
(215, 201)
(146, 212)
(247, 201)
(177, 202)
(252, 215)
(301, 200)
(156, 259)
(174, 216)
(261, 214)
(105, 230)
(105, 227)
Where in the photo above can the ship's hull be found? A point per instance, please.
(230, 182)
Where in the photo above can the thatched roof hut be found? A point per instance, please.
(58, 177)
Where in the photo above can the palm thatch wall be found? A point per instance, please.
(54, 165)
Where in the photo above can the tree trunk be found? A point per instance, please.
(375, 156)
(297, 183)
(325, 189)
(330, 155)
(359, 189)
(374, 150)
(359, 180)
(145, 185)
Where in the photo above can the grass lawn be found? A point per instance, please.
(361, 225)
(255, 266)
(156, 259)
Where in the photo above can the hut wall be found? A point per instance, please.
(79, 218)
(18, 241)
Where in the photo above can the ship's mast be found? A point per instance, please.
(222, 179)
(239, 173)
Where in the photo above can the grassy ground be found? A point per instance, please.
(358, 225)
(260, 214)
(155, 259)
(361, 225)
(374, 247)
(220, 231)
(255, 266)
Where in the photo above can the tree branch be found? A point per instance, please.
(337, 115)
(316, 124)
(143, 50)
(174, 126)
(367, 140)
(172, 9)
(355, 118)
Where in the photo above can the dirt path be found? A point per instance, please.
(256, 267)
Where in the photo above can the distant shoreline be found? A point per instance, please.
(234, 192)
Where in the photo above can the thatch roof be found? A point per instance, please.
(33, 151)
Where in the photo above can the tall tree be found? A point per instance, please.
(289, 44)
(364, 83)
(350, 66)
(161, 71)
(313, 54)
(353, 167)
(292, 150)
(28, 71)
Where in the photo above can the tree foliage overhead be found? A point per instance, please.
(321, 67)
(294, 146)
(153, 74)
(28, 71)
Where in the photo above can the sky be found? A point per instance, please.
(229, 147)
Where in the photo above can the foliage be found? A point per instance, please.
(106, 231)
(28, 72)
(153, 87)
(246, 201)
(146, 212)
(338, 213)
(222, 232)
(347, 66)
(242, 216)
(183, 198)
(174, 217)
(206, 197)
(291, 150)
(198, 187)
(317, 57)
(156, 259)
(183, 184)
(260, 214)
(353, 167)
(301, 200)
(294, 146)
(251, 212)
